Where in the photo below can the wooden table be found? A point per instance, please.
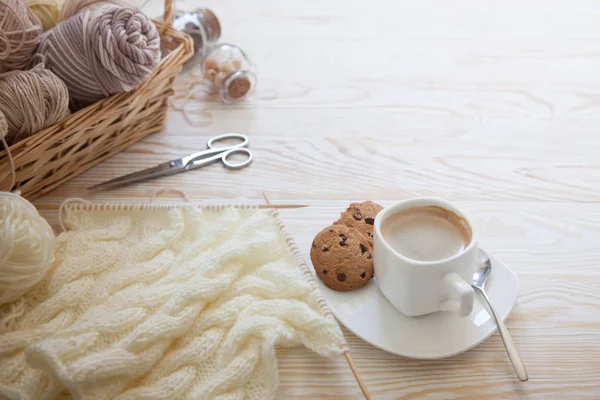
(493, 105)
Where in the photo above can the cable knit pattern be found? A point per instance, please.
(164, 302)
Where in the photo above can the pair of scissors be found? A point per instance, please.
(196, 160)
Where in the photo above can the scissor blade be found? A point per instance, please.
(164, 169)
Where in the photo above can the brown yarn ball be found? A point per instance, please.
(72, 7)
(20, 31)
(102, 52)
(31, 101)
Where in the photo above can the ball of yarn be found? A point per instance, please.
(48, 11)
(31, 100)
(26, 246)
(20, 31)
(72, 7)
(102, 52)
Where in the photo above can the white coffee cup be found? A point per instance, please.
(424, 284)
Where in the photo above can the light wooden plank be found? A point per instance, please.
(382, 166)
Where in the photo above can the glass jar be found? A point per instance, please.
(203, 27)
(228, 69)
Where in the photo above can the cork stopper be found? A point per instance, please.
(239, 87)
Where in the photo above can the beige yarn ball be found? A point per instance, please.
(48, 11)
(26, 247)
(20, 31)
(32, 100)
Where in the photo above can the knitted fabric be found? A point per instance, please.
(164, 302)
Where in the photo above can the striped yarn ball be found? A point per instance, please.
(102, 52)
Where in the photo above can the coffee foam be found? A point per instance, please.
(428, 233)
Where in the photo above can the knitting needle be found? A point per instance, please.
(361, 384)
(54, 207)
(347, 354)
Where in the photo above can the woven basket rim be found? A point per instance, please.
(61, 151)
(179, 55)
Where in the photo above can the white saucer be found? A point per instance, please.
(369, 315)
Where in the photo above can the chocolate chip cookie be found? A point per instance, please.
(361, 216)
(342, 257)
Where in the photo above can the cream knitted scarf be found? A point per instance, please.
(164, 302)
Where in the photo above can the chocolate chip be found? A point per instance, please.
(314, 246)
(369, 220)
(325, 248)
(331, 231)
(341, 277)
(370, 234)
(324, 272)
(343, 239)
(357, 215)
(363, 275)
(363, 249)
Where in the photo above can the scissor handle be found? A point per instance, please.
(219, 138)
(233, 164)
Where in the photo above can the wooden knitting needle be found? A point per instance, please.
(361, 384)
(347, 354)
(54, 207)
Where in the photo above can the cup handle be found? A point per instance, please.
(460, 299)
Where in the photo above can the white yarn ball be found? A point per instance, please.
(26, 246)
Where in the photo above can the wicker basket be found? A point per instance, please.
(64, 150)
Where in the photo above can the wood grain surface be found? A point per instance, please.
(494, 105)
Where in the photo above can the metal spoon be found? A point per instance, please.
(479, 279)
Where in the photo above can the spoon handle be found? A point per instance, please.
(511, 349)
